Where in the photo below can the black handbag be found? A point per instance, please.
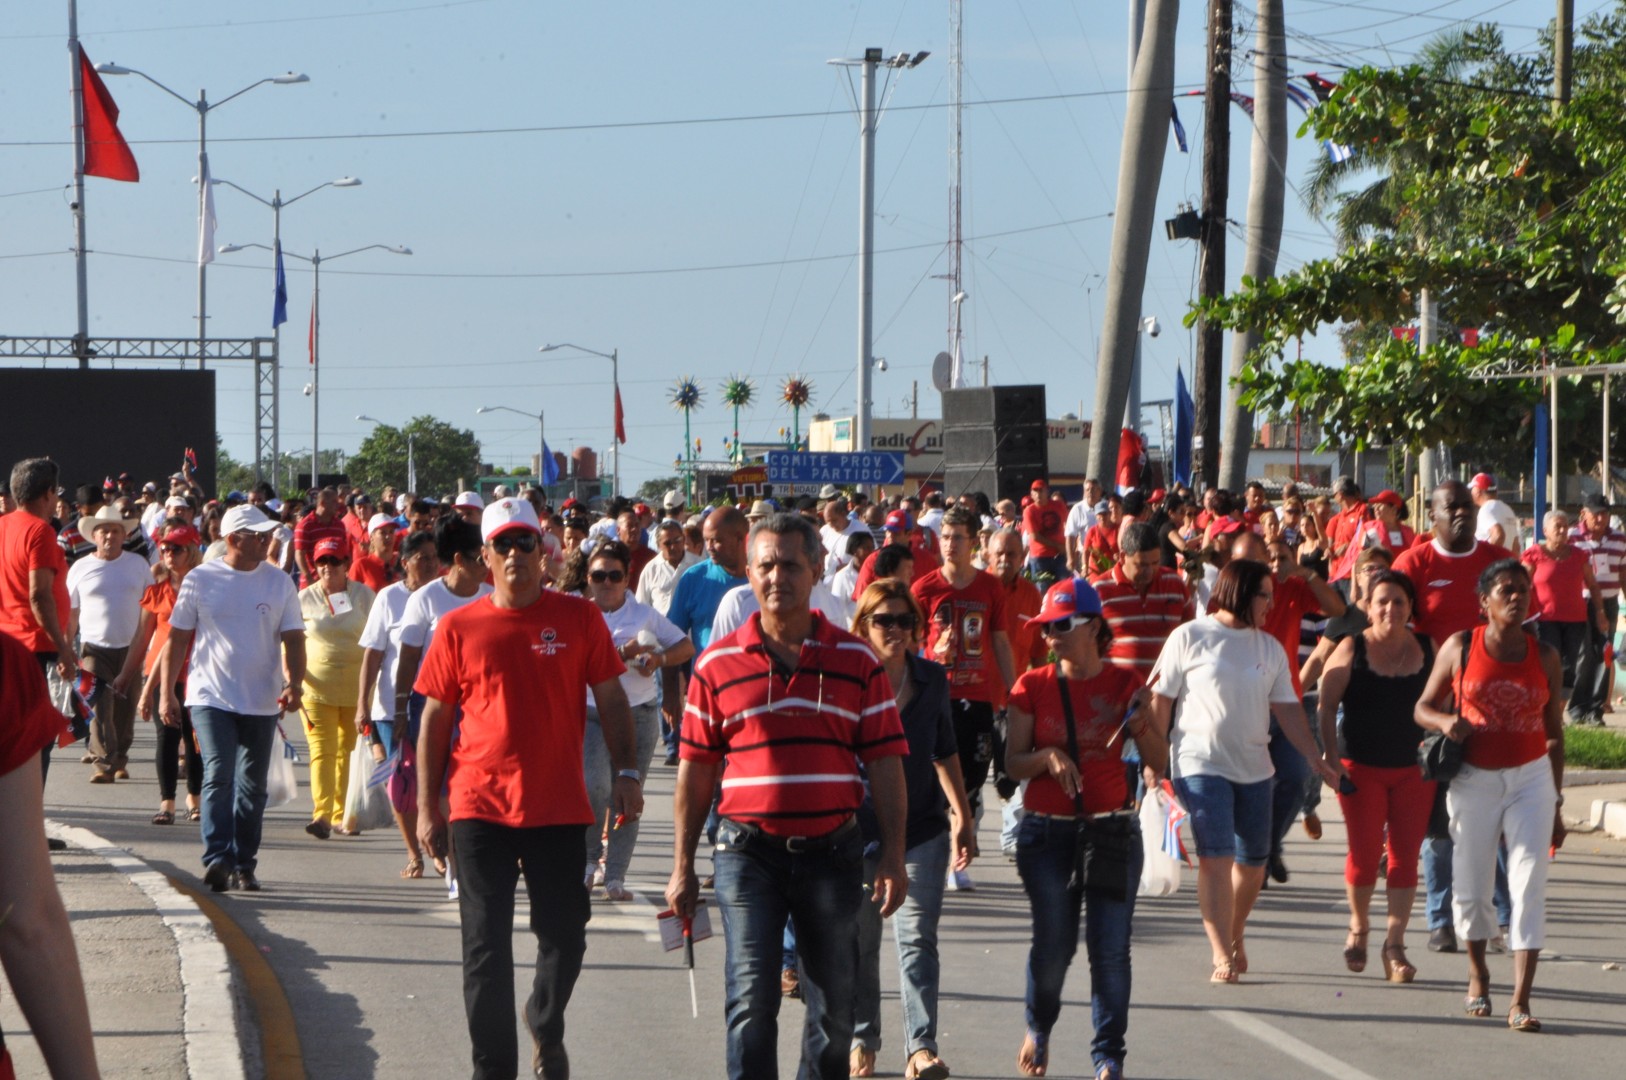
(1101, 855)
(1439, 757)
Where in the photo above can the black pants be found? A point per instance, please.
(173, 740)
(1591, 672)
(974, 731)
(488, 861)
(47, 662)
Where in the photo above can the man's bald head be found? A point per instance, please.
(724, 535)
(1248, 545)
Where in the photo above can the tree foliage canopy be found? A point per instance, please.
(444, 456)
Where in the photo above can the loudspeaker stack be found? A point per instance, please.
(994, 440)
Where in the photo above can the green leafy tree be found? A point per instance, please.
(651, 491)
(443, 455)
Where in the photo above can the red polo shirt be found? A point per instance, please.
(1141, 624)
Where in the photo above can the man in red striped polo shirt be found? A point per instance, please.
(794, 705)
(1142, 601)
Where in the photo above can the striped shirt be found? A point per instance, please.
(1140, 625)
(1608, 554)
(793, 743)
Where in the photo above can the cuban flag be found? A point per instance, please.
(1173, 846)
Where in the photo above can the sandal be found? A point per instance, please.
(1355, 951)
(925, 1065)
(616, 892)
(164, 817)
(1109, 1070)
(1519, 1020)
(1239, 957)
(1479, 1005)
(1396, 968)
(413, 868)
(1034, 1057)
(1225, 972)
(861, 1061)
(194, 813)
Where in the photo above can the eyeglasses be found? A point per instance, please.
(1065, 626)
(524, 542)
(330, 560)
(904, 620)
(614, 577)
(171, 549)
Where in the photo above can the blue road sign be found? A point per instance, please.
(786, 467)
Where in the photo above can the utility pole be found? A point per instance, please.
(1137, 26)
(1563, 54)
(866, 245)
(81, 343)
(956, 289)
(1209, 392)
(1428, 459)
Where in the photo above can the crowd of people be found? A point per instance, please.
(838, 681)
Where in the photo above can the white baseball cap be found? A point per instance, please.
(673, 500)
(177, 502)
(245, 518)
(379, 521)
(402, 501)
(506, 515)
(469, 498)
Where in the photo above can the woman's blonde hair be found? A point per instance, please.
(879, 593)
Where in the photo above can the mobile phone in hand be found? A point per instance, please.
(1346, 786)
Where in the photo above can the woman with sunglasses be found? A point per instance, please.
(1079, 845)
(1218, 681)
(335, 610)
(647, 641)
(178, 553)
(938, 833)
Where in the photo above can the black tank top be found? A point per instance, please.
(1378, 727)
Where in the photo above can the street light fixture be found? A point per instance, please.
(542, 439)
(614, 357)
(203, 106)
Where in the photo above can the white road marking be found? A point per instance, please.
(1277, 1039)
(636, 916)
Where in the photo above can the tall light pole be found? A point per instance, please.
(614, 357)
(316, 259)
(203, 106)
(541, 439)
(276, 203)
(412, 464)
(868, 117)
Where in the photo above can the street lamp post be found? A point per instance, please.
(412, 464)
(614, 357)
(203, 106)
(541, 439)
(276, 203)
(316, 259)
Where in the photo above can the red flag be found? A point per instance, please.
(1131, 459)
(106, 152)
(311, 340)
(620, 418)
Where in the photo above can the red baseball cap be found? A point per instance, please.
(1066, 598)
(898, 521)
(1226, 525)
(1038, 485)
(1158, 495)
(183, 535)
(1390, 497)
(330, 546)
(1483, 482)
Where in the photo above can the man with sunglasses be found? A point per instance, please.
(238, 615)
(519, 664)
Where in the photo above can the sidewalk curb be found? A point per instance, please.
(209, 1018)
(1610, 816)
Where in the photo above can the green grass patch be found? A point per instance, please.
(1594, 748)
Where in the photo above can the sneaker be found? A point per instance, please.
(1498, 944)
(790, 984)
(101, 777)
(549, 1062)
(672, 760)
(1278, 870)
(617, 892)
(121, 774)
(960, 881)
(245, 881)
(1312, 825)
(53, 844)
(217, 876)
(1442, 939)
(319, 829)
(598, 875)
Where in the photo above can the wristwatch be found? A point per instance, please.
(629, 774)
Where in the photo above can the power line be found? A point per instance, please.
(239, 23)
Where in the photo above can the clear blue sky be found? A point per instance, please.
(561, 219)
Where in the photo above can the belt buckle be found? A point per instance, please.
(796, 845)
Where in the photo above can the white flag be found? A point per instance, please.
(206, 217)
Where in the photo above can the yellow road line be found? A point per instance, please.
(279, 1037)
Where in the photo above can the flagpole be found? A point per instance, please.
(81, 344)
(316, 348)
(276, 333)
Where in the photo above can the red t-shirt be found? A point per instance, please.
(793, 744)
(1045, 519)
(1028, 647)
(1292, 602)
(1098, 708)
(1557, 586)
(370, 570)
(26, 544)
(521, 676)
(356, 529)
(641, 556)
(976, 612)
(866, 573)
(159, 599)
(1101, 547)
(1343, 525)
(29, 721)
(1447, 585)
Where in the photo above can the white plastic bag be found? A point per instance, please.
(366, 806)
(281, 785)
(1160, 874)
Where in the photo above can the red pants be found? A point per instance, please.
(1397, 798)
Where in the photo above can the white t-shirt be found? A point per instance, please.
(835, 545)
(383, 634)
(239, 617)
(634, 621)
(425, 608)
(1080, 520)
(740, 603)
(107, 594)
(932, 519)
(658, 580)
(1223, 682)
(1497, 512)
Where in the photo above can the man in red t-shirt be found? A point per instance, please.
(900, 530)
(1342, 526)
(322, 523)
(519, 664)
(966, 633)
(1044, 521)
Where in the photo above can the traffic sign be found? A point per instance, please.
(787, 467)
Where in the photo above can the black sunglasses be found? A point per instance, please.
(329, 561)
(524, 542)
(902, 621)
(615, 577)
(171, 549)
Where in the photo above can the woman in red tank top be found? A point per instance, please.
(1508, 716)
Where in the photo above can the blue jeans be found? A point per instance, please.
(1313, 787)
(1228, 820)
(1438, 852)
(600, 774)
(1287, 786)
(758, 886)
(236, 759)
(914, 928)
(1045, 853)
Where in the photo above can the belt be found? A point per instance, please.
(1076, 817)
(797, 845)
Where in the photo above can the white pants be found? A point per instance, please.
(1513, 806)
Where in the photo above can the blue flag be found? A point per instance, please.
(1543, 439)
(1179, 128)
(1185, 422)
(550, 467)
(279, 302)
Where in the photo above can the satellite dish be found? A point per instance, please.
(942, 371)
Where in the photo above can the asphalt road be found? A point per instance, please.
(368, 964)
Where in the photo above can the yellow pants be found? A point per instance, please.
(330, 732)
